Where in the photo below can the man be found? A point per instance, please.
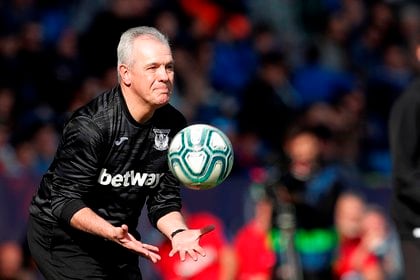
(405, 147)
(353, 259)
(111, 161)
(255, 256)
(305, 195)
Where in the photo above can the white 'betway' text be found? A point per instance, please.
(130, 178)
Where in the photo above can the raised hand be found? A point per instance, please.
(187, 242)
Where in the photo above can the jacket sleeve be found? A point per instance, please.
(405, 147)
(76, 167)
(164, 199)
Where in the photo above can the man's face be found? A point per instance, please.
(418, 52)
(151, 73)
(348, 216)
(304, 152)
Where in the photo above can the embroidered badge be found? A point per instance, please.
(161, 139)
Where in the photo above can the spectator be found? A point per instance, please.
(332, 44)
(7, 152)
(67, 70)
(234, 59)
(269, 89)
(45, 142)
(7, 106)
(308, 188)
(17, 187)
(11, 261)
(14, 14)
(9, 60)
(353, 259)
(105, 29)
(380, 237)
(316, 82)
(256, 258)
(32, 83)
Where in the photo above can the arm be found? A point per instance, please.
(366, 263)
(75, 173)
(404, 142)
(88, 221)
(164, 211)
(171, 222)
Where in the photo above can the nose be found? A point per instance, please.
(163, 73)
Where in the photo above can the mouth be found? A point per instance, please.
(165, 90)
(163, 94)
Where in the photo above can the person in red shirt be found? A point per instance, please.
(219, 263)
(255, 256)
(354, 260)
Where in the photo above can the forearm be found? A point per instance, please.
(88, 221)
(171, 222)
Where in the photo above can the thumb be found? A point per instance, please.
(122, 231)
(124, 227)
(206, 229)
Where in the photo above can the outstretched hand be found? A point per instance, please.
(187, 242)
(125, 239)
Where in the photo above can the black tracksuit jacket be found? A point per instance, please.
(404, 133)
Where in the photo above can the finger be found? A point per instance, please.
(201, 251)
(206, 229)
(124, 229)
(150, 247)
(193, 254)
(154, 257)
(151, 255)
(122, 232)
(182, 255)
(172, 252)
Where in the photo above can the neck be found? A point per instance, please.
(137, 107)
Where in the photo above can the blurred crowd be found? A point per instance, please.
(302, 88)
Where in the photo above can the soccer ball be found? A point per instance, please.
(200, 156)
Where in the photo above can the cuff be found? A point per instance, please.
(160, 213)
(70, 208)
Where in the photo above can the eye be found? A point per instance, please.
(152, 67)
(170, 67)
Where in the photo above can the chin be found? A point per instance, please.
(163, 101)
(164, 98)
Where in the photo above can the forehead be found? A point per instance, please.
(150, 50)
(350, 205)
(304, 143)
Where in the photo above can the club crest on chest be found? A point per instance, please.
(161, 139)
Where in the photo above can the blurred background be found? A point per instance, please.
(303, 88)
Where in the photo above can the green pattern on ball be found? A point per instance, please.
(200, 156)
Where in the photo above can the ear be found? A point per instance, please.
(124, 74)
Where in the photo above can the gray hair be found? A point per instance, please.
(125, 46)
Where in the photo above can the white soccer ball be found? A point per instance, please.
(200, 156)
